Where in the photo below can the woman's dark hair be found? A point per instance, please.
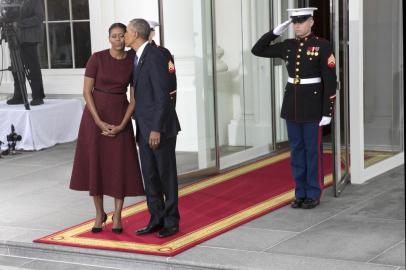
(115, 25)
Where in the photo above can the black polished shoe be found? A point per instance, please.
(297, 203)
(36, 102)
(310, 203)
(15, 101)
(168, 231)
(149, 229)
(116, 230)
(97, 229)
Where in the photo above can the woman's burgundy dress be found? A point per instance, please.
(105, 165)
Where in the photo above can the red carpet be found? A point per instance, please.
(208, 208)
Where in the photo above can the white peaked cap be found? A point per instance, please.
(301, 11)
(153, 24)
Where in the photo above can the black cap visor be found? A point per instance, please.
(300, 19)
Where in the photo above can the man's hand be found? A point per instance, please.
(282, 27)
(325, 120)
(154, 139)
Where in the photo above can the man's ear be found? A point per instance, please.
(311, 21)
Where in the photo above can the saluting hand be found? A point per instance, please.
(154, 139)
(282, 27)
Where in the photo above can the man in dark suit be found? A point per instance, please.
(29, 32)
(157, 128)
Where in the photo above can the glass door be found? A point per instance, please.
(188, 35)
(383, 81)
(242, 81)
(249, 89)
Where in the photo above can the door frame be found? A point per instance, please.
(341, 176)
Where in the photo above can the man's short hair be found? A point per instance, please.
(142, 27)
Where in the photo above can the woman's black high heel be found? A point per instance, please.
(116, 230)
(96, 229)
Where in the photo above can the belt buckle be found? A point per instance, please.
(296, 81)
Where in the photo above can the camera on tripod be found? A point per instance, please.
(9, 10)
(12, 140)
(13, 137)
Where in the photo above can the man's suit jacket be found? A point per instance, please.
(154, 110)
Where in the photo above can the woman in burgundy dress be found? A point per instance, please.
(106, 159)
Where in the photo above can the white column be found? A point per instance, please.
(179, 39)
(188, 37)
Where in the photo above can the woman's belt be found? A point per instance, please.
(111, 92)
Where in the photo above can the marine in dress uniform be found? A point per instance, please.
(171, 62)
(308, 99)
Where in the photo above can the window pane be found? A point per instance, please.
(81, 33)
(58, 10)
(80, 9)
(42, 50)
(60, 45)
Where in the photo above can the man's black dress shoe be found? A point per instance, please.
(149, 229)
(297, 203)
(15, 101)
(168, 231)
(310, 203)
(36, 102)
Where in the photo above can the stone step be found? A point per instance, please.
(64, 257)
(5, 267)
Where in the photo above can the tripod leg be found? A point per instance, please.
(18, 67)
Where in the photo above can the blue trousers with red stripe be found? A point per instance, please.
(305, 140)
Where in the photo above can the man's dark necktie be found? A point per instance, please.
(135, 62)
(135, 67)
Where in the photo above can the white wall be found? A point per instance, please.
(103, 13)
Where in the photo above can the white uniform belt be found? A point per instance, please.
(304, 81)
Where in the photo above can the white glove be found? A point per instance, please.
(282, 27)
(325, 120)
